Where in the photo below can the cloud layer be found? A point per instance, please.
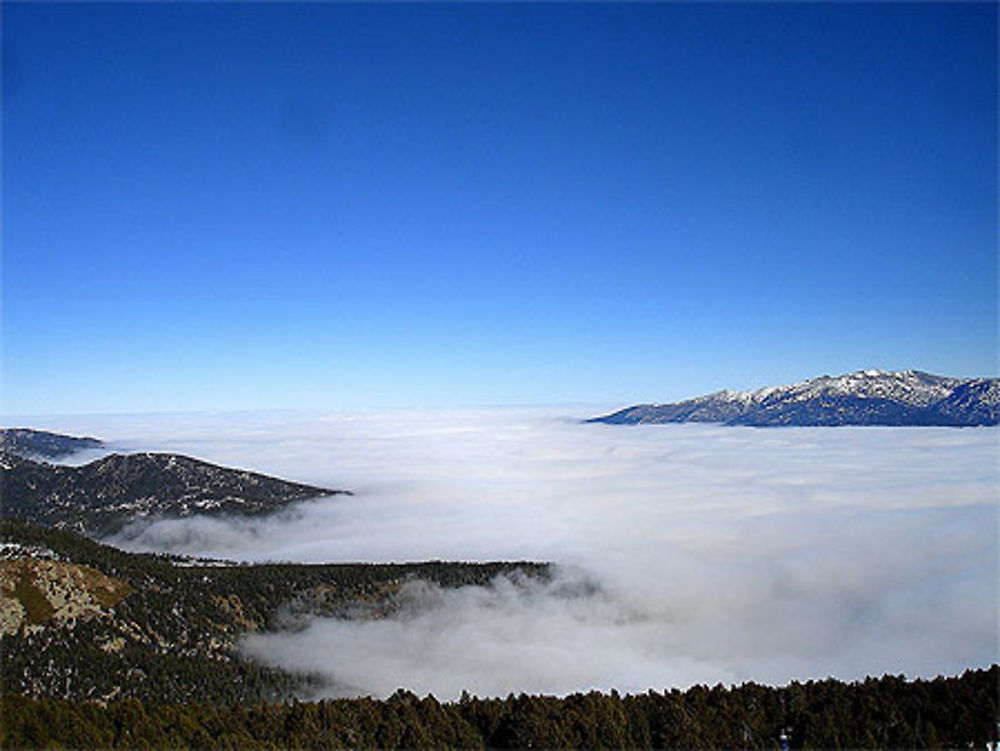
(715, 554)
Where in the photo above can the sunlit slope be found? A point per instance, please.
(867, 397)
(85, 621)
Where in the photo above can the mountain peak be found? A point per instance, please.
(864, 397)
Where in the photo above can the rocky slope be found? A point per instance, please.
(867, 397)
(37, 590)
(99, 498)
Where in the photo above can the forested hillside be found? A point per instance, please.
(877, 713)
(101, 497)
(162, 629)
(28, 442)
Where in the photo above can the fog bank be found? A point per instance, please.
(718, 554)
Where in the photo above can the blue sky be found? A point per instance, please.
(212, 206)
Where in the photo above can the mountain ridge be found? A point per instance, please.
(100, 497)
(31, 443)
(864, 397)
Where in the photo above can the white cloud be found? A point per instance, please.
(720, 554)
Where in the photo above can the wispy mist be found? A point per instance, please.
(714, 554)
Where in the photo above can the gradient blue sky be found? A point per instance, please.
(212, 206)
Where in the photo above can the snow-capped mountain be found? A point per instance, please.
(867, 397)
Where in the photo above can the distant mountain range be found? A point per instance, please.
(31, 443)
(99, 498)
(867, 397)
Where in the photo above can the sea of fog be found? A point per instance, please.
(706, 553)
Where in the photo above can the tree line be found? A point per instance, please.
(888, 712)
